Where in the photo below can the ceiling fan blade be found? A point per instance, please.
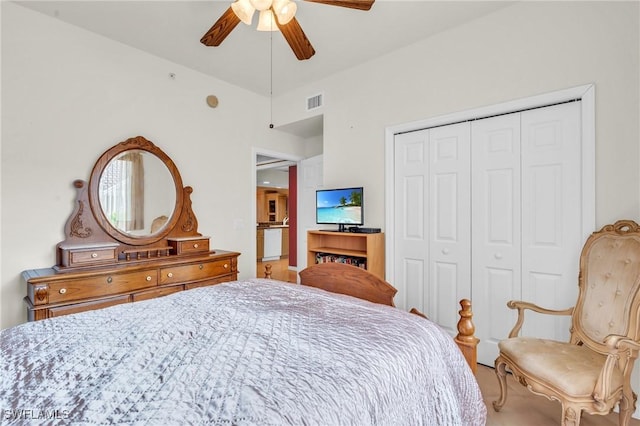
(297, 39)
(221, 29)
(351, 4)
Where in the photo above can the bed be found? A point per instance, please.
(259, 352)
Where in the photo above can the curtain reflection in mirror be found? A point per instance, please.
(122, 192)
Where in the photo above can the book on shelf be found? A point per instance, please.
(360, 262)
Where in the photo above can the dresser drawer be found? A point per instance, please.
(81, 255)
(195, 271)
(87, 256)
(189, 245)
(101, 285)
(213, 281)
(87, 306)
(156, 292)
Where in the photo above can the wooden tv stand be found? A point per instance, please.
(364, 250)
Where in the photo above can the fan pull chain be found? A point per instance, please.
(271, 78)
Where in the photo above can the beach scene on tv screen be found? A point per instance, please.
(339, 206)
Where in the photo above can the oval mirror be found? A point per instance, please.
(136, 192)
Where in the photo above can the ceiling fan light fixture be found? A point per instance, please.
(261, 4)
(243, 10)
(285, 10)
(275, 15)
(267, 21)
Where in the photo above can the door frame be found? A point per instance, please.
(255, 151)
(584, 93)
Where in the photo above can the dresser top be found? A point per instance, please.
(52, 274)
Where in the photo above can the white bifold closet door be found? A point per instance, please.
(432, 243)
(490, 210)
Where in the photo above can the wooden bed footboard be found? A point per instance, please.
(353, 281)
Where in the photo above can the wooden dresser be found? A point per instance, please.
(131, 236)
(51, 293)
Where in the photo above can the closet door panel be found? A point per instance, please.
(495, 248)
(498, 285)
(411, 219)
(551, 237)
(449, 188)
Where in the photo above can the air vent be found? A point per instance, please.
(314, 102)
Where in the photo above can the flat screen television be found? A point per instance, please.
(341, 206)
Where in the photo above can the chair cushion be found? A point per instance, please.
(571, 369)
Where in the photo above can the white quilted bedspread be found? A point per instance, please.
(251, 352)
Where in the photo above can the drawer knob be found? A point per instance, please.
(195, 245)
(62, 291)
(149, 278)
(94, 255)
(109, 280)
(226, 265)
(201, 266)
(170, 275)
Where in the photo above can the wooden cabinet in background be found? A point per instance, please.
(276, 207)
(364, 250)
(271, 204)
(260, 244)
(261, 206)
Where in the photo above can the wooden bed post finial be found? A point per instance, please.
(267, 271)
(465, 324)
(465, 339)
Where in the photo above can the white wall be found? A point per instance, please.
(313, 146)
(68, 95)
(519, 51)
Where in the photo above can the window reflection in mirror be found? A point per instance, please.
(137, 193)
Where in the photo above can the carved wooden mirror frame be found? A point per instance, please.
(133, 145)
(92, 240)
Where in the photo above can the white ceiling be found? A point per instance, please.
(342, 37)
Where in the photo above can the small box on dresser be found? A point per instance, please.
(84, 254)
(186, 245)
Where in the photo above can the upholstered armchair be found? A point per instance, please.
(592, 371)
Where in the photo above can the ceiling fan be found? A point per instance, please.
(274, 15)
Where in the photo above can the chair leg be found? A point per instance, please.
(570, 416)
(501, 373)
(627, 407)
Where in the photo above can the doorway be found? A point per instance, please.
(274, 213)
(310, 131)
